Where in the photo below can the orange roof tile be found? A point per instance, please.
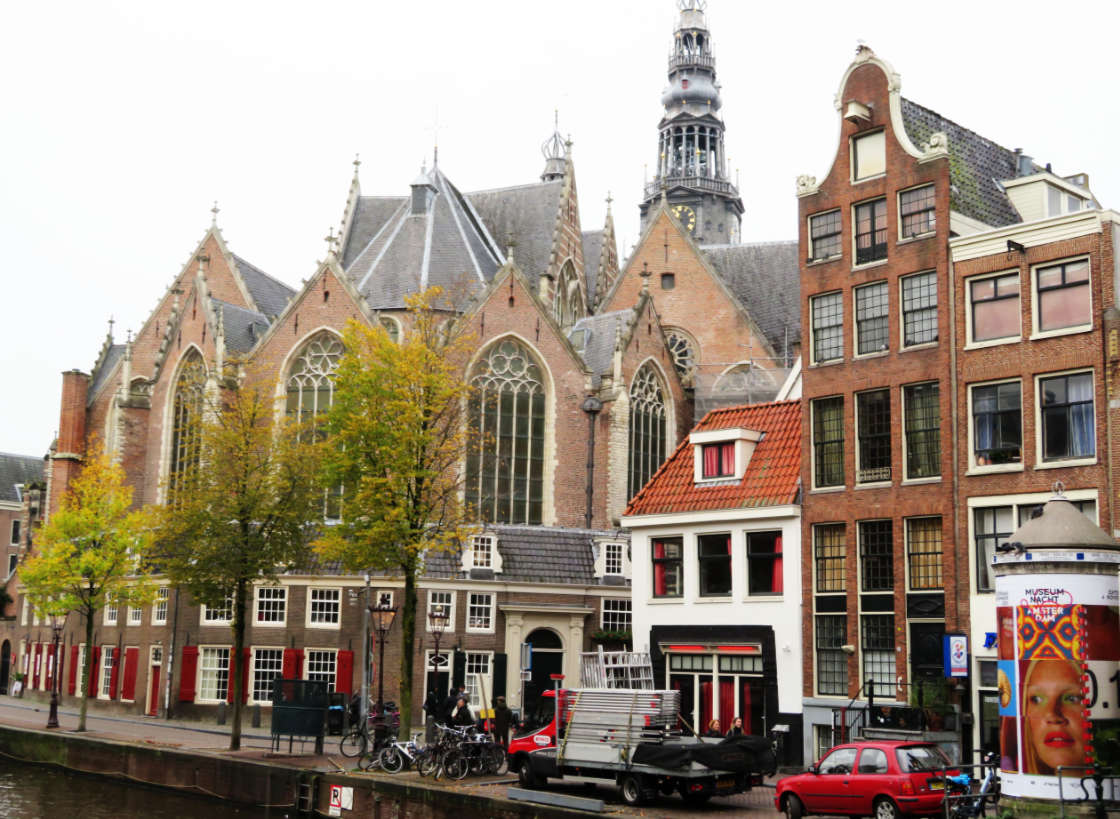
(772, 477)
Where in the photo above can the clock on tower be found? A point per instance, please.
(686, 216)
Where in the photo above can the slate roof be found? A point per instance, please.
(242, 327)
(592, 252)
(533, 554)
(976, 166)
(447, 246)
(271, 296)
(112, 356)
(528, 213)
(598, 349)
(17, 469)
(772, 477)
(370, 215)
(765, 277)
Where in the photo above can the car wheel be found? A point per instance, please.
(630, 787)
(525, 776)
(885, 808)
(792, 807)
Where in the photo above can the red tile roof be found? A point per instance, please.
(772, 476)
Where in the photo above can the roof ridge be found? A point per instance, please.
(515, 187)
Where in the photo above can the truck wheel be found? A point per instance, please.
(630, 787)
(525, 776)
(792, 807)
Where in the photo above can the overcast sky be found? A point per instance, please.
(121, 122)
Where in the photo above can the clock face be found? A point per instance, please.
(686, 216)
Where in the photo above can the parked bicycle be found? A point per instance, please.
(398, 756)
(377, 732)
(966, 796)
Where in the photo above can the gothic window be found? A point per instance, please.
(186, 416)
(748, 383)
(647, 427)
(505, 459)
(311, 392)
(683, 350)
(568, 302)
(392, 327)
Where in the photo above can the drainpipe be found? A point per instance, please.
(955, 446)
(592, 406)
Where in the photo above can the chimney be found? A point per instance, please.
(72, 418)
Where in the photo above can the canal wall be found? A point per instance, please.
(257, 783)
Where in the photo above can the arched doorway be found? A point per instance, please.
(5, 665)
(548, 659)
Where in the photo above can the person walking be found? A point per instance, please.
(431, 716)
(502, 719)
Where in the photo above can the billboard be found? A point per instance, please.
(1058, 678)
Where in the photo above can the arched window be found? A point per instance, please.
(186, 417)
(505, 463)
(392, 327)
(311, 392)
(569, 300)
(683, 350)
(747, 384)
(647, 427)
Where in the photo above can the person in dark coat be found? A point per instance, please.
(457, 692)
(462, 715)
(502, 719)
(431, 715)
(736, 728)
(713, 730)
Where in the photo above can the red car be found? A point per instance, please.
(884, 779)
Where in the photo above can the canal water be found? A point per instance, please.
(47, 792)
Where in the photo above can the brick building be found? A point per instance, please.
(925, 367)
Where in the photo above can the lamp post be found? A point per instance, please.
(383, 615)
(437, 621)
(56, 631)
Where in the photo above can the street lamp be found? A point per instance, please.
(383, 615)
(437, 621)
(56, 631)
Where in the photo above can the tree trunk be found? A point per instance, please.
(83, 687)
(235, 663)
(408, 640)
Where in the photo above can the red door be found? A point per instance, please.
(153, 692)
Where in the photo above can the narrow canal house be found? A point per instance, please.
(955, 297)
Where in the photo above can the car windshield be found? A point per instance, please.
(921, 758)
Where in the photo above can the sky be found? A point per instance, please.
(121, 122)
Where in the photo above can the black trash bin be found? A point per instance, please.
(336, 713)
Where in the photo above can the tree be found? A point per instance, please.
(395, 443)
(242, 513)
(91, 553)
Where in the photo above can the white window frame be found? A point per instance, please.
(474, 691)
(450, 627)
(1039, 463)
(885, 285)
(252, 675)
(491, 617)
(970, 342)
(856, 432)
(902, 345)
(984, 469)
(159, 607)
(809, 236)
(25, 614)
(112, 614)
(813, 445)
(199, 698)
(306, 670)
(135, 616)
(105, 672)
(477, 553)
(906, 479)
(898, 207)
(603, 612)
(1037, 333)
(309, 623)
(614, 555)
(814, 358)
(16, 527)
(853, 153)
(13, 564)
(263, 594)
(906, 551)
(205, 619)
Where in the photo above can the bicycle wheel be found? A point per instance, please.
(426, 762)
(353, 744)
(369, 761)
(497, 762)
(392, 760)
(455, 765)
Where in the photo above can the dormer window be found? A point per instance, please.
(482, 552)
(612, 564)
(719, 460)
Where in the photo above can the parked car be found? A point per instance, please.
(884, 779)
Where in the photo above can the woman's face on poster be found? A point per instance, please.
(1052, 716)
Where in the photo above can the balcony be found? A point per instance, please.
(692, 61)
(693, 181)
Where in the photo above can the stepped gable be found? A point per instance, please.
(976, 166)
(592, 241)
(532, 554)
(598, 346)
(271, 296)
(444, 244)
(527, 213)
(242, 328)
(765, 277)
(370, 215)
(18, 469)
(772, 477)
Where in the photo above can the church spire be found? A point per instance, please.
(555, 150)
(691, 160)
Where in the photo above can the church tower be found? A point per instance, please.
(692, 164)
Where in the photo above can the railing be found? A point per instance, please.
(873, 475)
(697, 60)
(1098, 776)
(689, 181)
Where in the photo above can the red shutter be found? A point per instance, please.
(241, 668)
(73, 685)
(131, 660)
(114, 673)
(94, 663)
(36, 661)
(188, 673)
(344, 672)
(292, 666)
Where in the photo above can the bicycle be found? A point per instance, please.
(397, 756)
(962, 802)
(376, 734)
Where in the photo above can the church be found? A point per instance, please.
(590, 369)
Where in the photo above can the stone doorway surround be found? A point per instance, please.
(522, 619)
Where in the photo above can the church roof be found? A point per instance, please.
(101, 373)
(597, 347)
(243, 328)
(592, 259)
(528, 214)
(17, 469)
(772, 477)
(371, 213)
(271, 296)
(447, 245)
(765, 277)
(976, 165)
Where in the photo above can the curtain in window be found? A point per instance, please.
(1081, 417)
(711, 461)
(776, 583)
(745, 708)
(726, 703)
(658, 570)
(923, 431)
(705, 706)
(727, 459)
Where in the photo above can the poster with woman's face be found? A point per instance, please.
(1059, 679)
